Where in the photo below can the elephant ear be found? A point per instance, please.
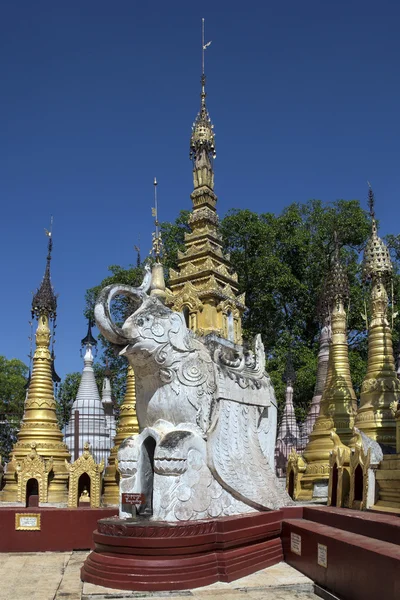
(237, 460)
(178, 333)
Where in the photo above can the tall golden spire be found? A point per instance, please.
(204, 287)
(338, 403)
(381, 387)
(39, 427)
(127, 425)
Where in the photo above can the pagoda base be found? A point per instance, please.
(146, 555)
(388, 483)
(311, 488)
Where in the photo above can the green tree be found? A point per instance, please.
(282, 261)
(67, 391)
(120, 309)
(13, 379)
(173, 236)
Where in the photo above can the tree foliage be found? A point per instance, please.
(67, 391)
(13, 379)
(282, 261)
(121, 309)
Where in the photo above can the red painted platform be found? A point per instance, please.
(62, 529)
(362, 551)
(154, 556)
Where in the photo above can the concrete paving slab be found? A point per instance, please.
(56, 576)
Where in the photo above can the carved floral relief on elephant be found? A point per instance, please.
(206, 399)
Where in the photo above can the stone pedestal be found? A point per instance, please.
(152, 555)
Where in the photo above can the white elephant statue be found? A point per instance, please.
(206, 411)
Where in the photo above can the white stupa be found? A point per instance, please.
(322, 371)
(88, 422)
(288, 437)
(108, 404)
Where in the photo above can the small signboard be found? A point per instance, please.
(135, 499)
(27, 521)
(295, 543)
(323, 555)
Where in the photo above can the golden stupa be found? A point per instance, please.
(40, 452)
(307, 473)
(380, 390)
(127, 425)
(204, 287)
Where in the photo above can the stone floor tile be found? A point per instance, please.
(223, 594)
(71, 584)
(90, 589)
(280, 594)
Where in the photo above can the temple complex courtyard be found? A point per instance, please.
(56, 576)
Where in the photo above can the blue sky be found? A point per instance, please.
(98, 97)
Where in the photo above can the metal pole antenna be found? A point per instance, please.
(202, 47)
(156, 206)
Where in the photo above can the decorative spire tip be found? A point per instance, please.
(45, 300)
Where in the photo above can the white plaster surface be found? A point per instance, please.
(92, 421)
(208, 405)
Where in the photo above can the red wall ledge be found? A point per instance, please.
(350, 565)
(61, 529)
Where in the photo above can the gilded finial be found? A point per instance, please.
(157, 272)
(376, 260)
(138, 257)
(157, 243)
(202, 140)
(371, 201)
(45, 300)
(336, 286)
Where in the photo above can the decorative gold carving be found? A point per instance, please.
(202, 264)
(33, 466)
(338, 403)
(362, 459)
(85, 464)
(381, 387)
(27, 521)
(39, 427)
(295, 468)
(127, 425)
(339, 473)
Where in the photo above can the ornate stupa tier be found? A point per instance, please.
(127, 425)
(338, 403)
(322, 372)
(288, 435)
(381, 387)
(39, 428)
(204, 286)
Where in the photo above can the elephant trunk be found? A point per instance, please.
(102, 314)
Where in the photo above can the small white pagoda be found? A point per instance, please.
(288, 437)
(88, 421)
